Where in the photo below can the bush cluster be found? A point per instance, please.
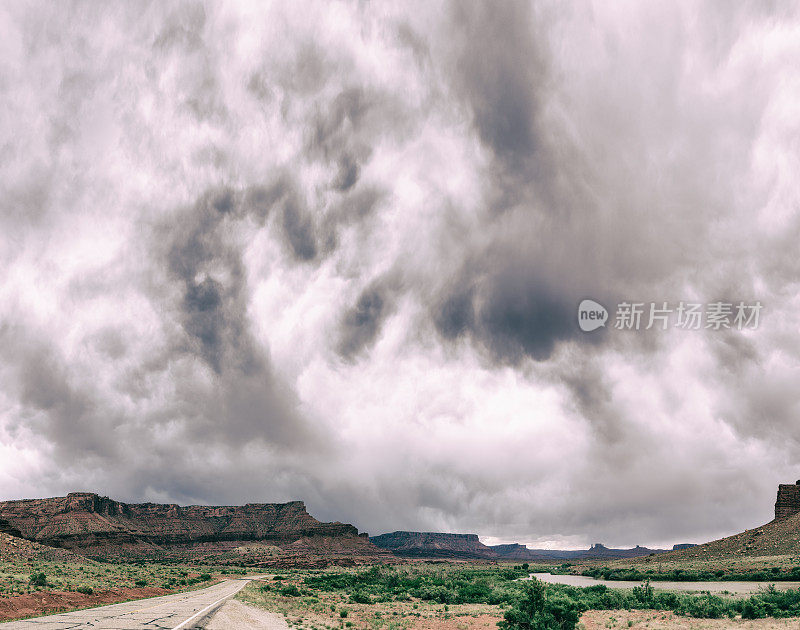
(38, 579)
(552, 607)
(680, 575)
(447, 586)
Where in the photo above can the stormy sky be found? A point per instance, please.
(333, 251)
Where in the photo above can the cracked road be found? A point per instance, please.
(181, 611)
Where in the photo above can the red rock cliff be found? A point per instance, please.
(86, 521)
(788, 501)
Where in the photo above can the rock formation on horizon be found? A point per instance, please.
(468, 546)
(788, 500)
(597, 550)
(95, 525)
(433, 545)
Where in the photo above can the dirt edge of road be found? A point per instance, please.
(233, 615)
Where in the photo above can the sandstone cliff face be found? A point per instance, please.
(433, 545)
(89, 523)
(788, 501)
(513, 551)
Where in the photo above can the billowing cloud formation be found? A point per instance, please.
(335, 251)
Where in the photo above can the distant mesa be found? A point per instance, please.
(433, 545)
(597, 551)
(98, 526)
(680, 546)
(468, 546)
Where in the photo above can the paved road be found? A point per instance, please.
(182, 611)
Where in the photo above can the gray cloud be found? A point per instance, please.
(334, 253)
(361, 324)
(501, 73)
(512, 314)
(299, 230)
(65, 411)
(206, 262)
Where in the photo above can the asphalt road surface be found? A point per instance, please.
(182, 611)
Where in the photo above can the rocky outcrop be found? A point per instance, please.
(8, 528)
(88, 523)
(513, 551)
(788, 501)
(433, 545)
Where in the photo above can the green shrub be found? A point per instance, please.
(706, 606)
(644, 593)
(540, 610)
(38, 579)
(359, 597)
(86, 590)
(753, 609)
(290, 591)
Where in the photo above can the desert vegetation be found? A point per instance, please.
(23, 577)
(756, 569)
(472, 595)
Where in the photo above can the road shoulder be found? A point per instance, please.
(234, 615)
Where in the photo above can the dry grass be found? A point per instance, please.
(333, 611)
(640, 619)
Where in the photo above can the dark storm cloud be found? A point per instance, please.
(512, 299)
(355, 207)
(297, 226)
(361, 324)
(591, 393)
(501, 75)
(299, 229)
(348, 173)
(511, 313)
(204, 259)
(260, 199)
(344, 131)
(211, 311)
(58, 405)
(344, 116)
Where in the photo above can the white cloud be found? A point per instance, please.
(377, 322)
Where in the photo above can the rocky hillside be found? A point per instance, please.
(433, 545)
(94, 525)
(779, 537)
